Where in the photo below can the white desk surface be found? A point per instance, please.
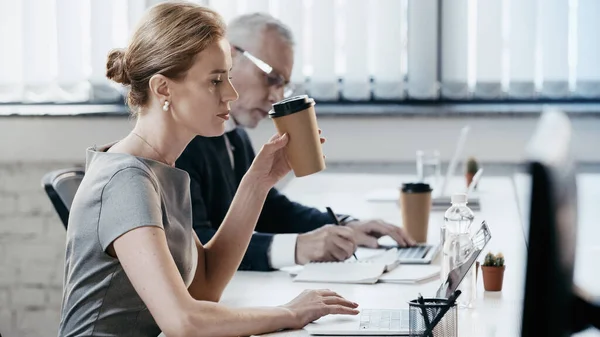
(496, 314)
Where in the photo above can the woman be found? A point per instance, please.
(134, 266)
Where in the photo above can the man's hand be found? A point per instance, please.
(328, 243)
(367, 232)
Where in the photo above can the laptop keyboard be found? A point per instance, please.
(416, 252)
(384, 320)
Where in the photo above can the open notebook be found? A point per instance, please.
(373, 266)
(350, 271)
(411, 273)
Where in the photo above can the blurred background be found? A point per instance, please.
(390, 77)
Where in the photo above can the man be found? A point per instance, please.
(287, 233)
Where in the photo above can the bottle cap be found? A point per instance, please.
(459, 198)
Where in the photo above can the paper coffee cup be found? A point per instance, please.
(296, 116)
(415, 204)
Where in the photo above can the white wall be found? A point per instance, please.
(349, 139)
(32, 252)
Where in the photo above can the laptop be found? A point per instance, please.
(422, 253)
(395, 322)
(440, 200)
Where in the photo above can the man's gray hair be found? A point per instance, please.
(247, 29)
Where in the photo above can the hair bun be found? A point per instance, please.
(116, 68)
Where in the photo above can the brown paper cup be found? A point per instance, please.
(296, 116)
(415, 204)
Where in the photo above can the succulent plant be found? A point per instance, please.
(499, 260)
(472, 165)
(492, 260)
(489, 260)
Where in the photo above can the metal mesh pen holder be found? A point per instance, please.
(435, 318)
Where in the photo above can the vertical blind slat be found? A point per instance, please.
(489, 46)
(455, 48)
(588, 48)
(356, 76)
(292, 14)
(555, 47)
(387, 49)
(522, 44)
(422, 49)
(323, 80)
(11, 63)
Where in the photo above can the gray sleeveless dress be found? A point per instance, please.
(119, 193)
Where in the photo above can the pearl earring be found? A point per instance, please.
(166, 106)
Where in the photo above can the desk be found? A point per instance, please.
(496, 314)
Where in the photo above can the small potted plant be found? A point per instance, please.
(472, 168)
(493, 272)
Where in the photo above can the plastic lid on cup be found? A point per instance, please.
(416, 188)
(459, 198)
(291, 105)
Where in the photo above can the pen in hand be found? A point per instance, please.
(337, 222)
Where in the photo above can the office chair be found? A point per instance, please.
(61, 185)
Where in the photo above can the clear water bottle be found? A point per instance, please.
(457, 246)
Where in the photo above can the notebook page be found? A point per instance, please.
(409, 273)
(340, 272)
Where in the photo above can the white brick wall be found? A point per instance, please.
(45, 323)
(24, 177)
(54, 297)
(8, 202)
(21, 227)
(36, 274)
(4, 296)
(29, 297)
(31, 252)
(34, 203)
(8, 276)
(7, 319)
(54, 230)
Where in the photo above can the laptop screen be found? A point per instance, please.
(456, 275)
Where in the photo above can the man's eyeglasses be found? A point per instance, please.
(273, 78)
